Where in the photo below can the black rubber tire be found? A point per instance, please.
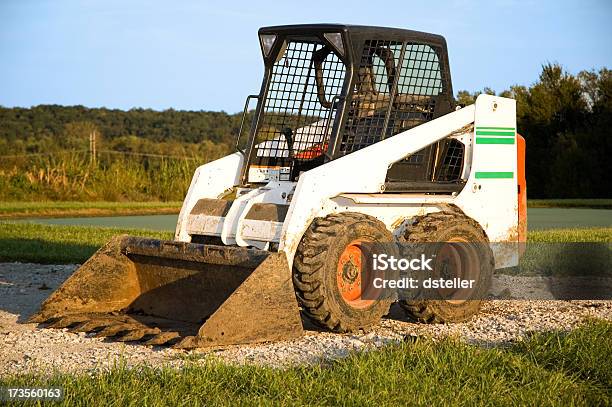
(443, 226)
(315, 271)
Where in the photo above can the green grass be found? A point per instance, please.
(566, 253)
(547, 369)
(73, 177)
(580, 353)
(600, 235)
(10, 210)
(570, 203)
(28, 242)
(17, 209)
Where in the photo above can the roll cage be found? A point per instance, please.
(329, 90)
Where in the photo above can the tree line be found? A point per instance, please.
(567, 124)
(48, 128)
(566, 120)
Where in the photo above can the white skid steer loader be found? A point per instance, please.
(356, 138)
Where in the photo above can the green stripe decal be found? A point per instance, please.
(494, 174)
(494, 128)
(492, 140)
(494, 133)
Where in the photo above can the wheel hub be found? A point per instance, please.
(350, 272)
(349, 275)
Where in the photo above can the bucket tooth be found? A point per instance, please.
(46, 320)
(39, 318)
(112, 330)
(138, 334)
(92, 325)
(68, 321)
(163, 338)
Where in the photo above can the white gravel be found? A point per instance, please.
(23, 347)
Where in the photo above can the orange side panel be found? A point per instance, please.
(522, 189)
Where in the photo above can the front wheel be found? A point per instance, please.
(327, 272)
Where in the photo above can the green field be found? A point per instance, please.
(545, 369)
(55, 209)
(598, 235)
(28, 242)
(570, 203)
(14, 210)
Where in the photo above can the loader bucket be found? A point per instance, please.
(185, 294)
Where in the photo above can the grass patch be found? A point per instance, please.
(56, 244)
(565, 253)
(28, 242)
(580, 353)
(570, 203)
(547, 369)
(14, 210)
(600, 235)
(72, 176)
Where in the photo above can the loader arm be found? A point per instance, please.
(362, 171)
(489, 195)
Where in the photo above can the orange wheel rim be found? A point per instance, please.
(349, 275)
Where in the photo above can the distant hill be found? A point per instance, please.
(48, 127)
(565, 119)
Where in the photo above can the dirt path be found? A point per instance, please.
(23, 347)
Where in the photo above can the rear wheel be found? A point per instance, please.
(327, 272)
(470, 258)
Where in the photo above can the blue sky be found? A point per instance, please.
(204, 55)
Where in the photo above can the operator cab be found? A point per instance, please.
(329, 90)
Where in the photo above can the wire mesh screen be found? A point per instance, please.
(395, 90)
(298, 110)
(451, 161)
(371, 95)
(419, 81)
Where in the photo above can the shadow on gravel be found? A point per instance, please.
(396, 313)
(23, 287)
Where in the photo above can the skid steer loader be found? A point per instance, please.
(355, 138)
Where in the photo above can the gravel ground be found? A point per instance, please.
(24, 348)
